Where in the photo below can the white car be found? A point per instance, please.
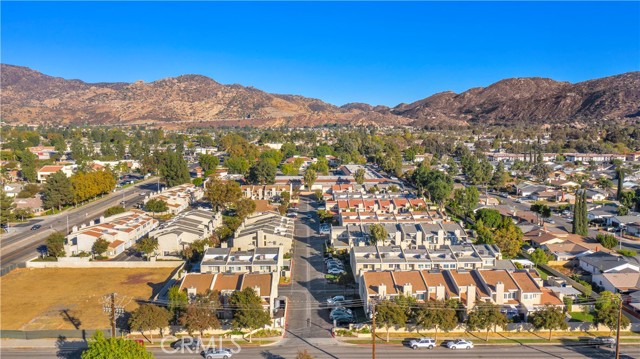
(336, 271)
(428, 343)
(460, 344)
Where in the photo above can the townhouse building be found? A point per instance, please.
(264, 230)
(519, 291)
(226, 260)
(179, 232)
(120, 230)
(178, 198)
(265, 285)
(45, 171)
(381, 258)
(266, 192)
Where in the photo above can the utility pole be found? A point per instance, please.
(112, 315)
(373, 331)
(618, 331)
(67, 224)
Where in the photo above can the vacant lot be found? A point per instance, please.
(34, 299)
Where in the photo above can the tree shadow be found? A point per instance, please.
(68, 350)
(585, 347)
(268, 355)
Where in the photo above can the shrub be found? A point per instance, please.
(627, 252)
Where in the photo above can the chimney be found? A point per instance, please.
(440, 292)
(407, 289)
(191, 292)
(74, 229)
(257, 290)
(92, 222)
(382, 290)
(471, 296)
(499, 293)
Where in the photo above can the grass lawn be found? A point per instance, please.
(56, 298)
(581, 317)
(543, 273)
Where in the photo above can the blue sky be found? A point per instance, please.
(379, 53)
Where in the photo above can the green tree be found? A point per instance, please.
(262, 172)
(539, 257)
(627, 198)
(174, 170)
(28, 166)
(156, 206)
(439, 186)
(202, 313)
(607, 311)
(223, 194)
(58, 191)
(390, 314)
(550, 318)
(100, 246)
(359, 176)
(508, 237)
(620, 176)
(149, 317)
(208, 162)
(248, 312)
(30, 190)
(6, 207)
(112, 211)
(580, 221)
(500, 176)
(465, 200)
(608, 241)
(310, 177)
(102, 348)
(239, 165)
(244, 207)
(378, 234)
(147, 245)
(178, 301)
(484, 317)
(55, 244)
(438, 315)
(490, 217)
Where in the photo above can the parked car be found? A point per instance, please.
(460, 344)
(35, 227)
(216, 353)
(336, 300)
(604, 341)
(335, 264)
(428, 343)
(187, 343)
(336, 271)
(340, 313)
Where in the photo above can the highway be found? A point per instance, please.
(23, 244)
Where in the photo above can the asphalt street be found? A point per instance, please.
(23, 244)
(308, 316)
(329, 349)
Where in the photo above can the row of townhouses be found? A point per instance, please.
(226, 260)
(178, 198)
(180, 231)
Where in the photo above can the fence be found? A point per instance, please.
(11, 267)
(106, 264)
(48, 334)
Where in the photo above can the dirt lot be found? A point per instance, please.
(33, 299)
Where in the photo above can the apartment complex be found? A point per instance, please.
(178, 198)
(365, 259)
(226, 260)
(405, 234)
(264, 230)
(518, 290)
(121, 231)
(266, 192)
(177, 233)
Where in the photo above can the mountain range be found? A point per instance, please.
(29, 96)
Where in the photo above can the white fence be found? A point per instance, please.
(105, 264)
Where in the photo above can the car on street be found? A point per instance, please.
(36, 227)
(217, 353)
(548, 220)
(336, 300)
(187, 343)
(340, 312)
(428, 343)
(603, 341)
(460, 344)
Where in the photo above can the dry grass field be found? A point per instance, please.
(52, 298)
